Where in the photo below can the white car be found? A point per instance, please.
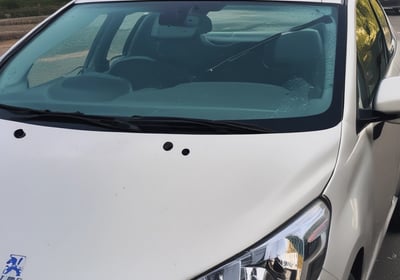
(205, 140)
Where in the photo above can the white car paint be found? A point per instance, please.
(361, 192)
(119, 196)
(115, 197)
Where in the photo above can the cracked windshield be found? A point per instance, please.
(203, 60)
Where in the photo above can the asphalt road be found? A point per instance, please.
(387, 266)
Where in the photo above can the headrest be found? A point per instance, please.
(298, 47)
(205, 25)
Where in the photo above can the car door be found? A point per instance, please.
(375, 52)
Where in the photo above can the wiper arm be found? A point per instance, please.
(191, 125)
(32, 115)
(324, 19)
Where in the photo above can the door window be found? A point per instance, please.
(389, 40)
(371, 51)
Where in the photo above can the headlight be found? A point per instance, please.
(296, 252)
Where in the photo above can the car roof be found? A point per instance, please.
(311, 1)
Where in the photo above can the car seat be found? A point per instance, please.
(297, 58)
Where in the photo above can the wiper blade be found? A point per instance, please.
(324, 19)
(135, 123)
(32, 115)
(193, 125)
(111, 123)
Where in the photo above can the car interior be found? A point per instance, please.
(180, 63)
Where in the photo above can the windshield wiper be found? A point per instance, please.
(193, 125)
(134, 123)
(32, 115)
(324, 19)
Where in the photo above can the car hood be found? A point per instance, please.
(103, 205)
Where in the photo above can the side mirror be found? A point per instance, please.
(387, 99)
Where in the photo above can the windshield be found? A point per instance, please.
(268, 64)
